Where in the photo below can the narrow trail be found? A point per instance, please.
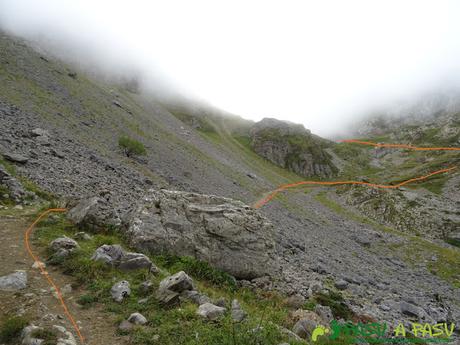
(282, 188)
(45, 272)
(39, 302)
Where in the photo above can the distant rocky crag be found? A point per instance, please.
(293, 147)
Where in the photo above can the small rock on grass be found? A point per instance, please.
(210, 311)
(137, 319)
(238, 314)
(120, 290)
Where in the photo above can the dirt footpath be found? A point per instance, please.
(37, 301)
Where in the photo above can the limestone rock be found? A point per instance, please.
(210, 311)
(94, 213)
(63, 246)
(304, 327)
(410, 309)
(15, 158)
(238, 314)
(223, 232)
(137, 319)
(14, 281)
(115, 256)
(195, 296)
(120, 290)
(171, 287)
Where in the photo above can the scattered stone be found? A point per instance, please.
(64, 243)
(341, 284)
(82, 236)
(145, 288)
(303, 328)
(125, 326)
(221, 302)
(14, 281)
(294, 301)
(38, 132)
(410, 309)
(28, 339)
(170, 288)
(120, 291)
(210, 311)
(178, 282)
(320, 268)
(109, 254)
(133, 261)
(15, 158)
(66, 337)
(38, 264)
(324, 312)
(115, 256)
(300, 314)
(238, 314)
(137, 319)
(196, 297)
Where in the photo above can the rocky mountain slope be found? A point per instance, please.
(59, 142)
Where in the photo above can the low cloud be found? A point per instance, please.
(322, 64)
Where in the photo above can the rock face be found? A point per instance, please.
(293, 147)
(226, 233)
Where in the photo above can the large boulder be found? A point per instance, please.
(224, 232)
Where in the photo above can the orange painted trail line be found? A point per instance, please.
(281, 188)
(45, 273)
(401, 146)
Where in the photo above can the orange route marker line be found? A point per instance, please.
(281, 188)
(401, 146)
(46, 274)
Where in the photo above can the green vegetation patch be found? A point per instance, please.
(11, 328)
(131, 147)
(335, 301)
(167, 326)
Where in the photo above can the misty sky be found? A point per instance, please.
(319, 63)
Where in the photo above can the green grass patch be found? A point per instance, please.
(196, 268)
(11, 328)
(49, 336)
(334, 300)
(168, 326)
